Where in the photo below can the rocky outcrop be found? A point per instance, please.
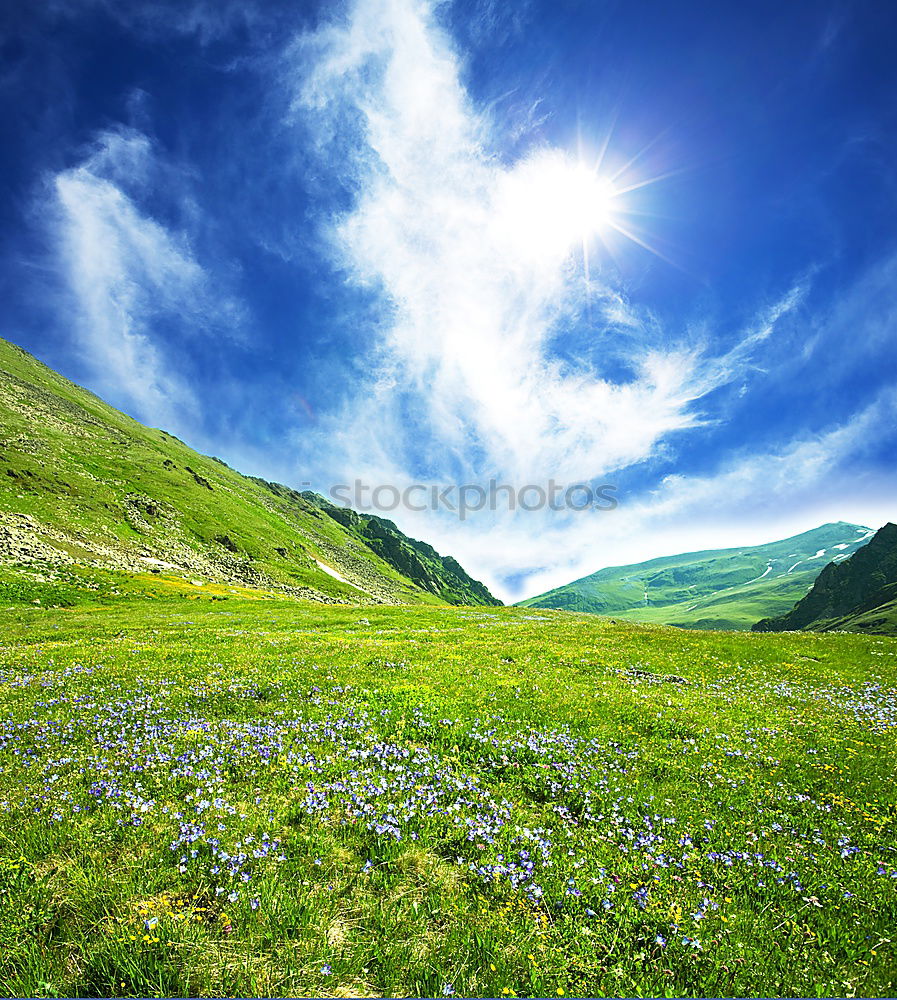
(861, 583)
(442, 576)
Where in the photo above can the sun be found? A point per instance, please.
(551, 204)
(590, 200)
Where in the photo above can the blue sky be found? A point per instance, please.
(638, 244)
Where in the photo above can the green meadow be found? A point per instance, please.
(218, 794)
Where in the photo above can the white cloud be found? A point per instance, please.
(475, 260)
(126, 274)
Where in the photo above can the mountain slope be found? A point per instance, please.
(82, 483)
(859, 594)
(715, 588)
(420, 562)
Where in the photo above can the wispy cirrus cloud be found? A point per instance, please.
(206, 20)
(474, 259)
(134, 284)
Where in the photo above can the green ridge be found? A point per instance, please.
(715, 588)
(84, 485)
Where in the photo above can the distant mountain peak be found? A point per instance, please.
(711, 588)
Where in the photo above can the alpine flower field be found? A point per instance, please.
(264, 797)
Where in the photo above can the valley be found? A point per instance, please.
(254, 744)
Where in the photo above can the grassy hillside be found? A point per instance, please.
(880, 619)
(858, 594)
(81, 484)
(274, 797)
(717, 588)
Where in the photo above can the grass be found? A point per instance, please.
(882, 619)
(737, 608)
(269, 797)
